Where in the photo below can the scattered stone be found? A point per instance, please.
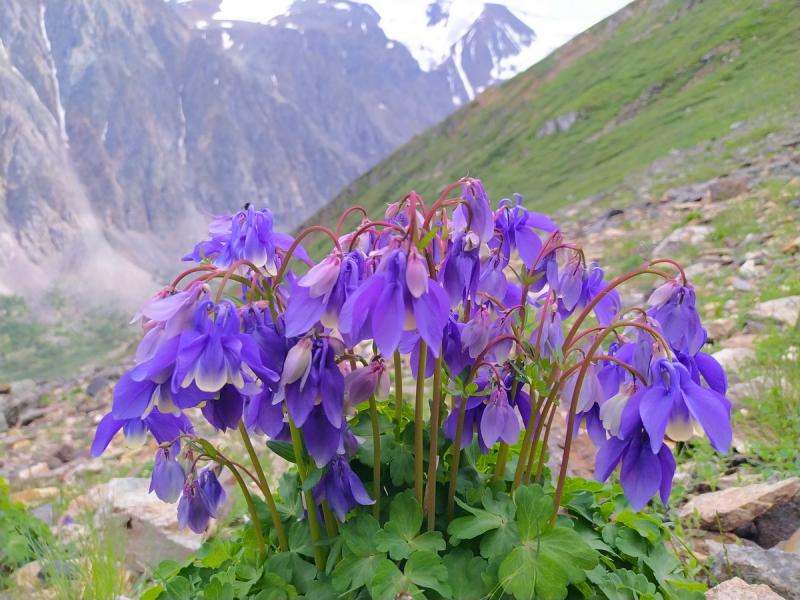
(738, 589)
(65, 453)
(36, 496)
(741, 285)
(775, 568)
(785, 310)
(793, 543)
(739, 392)
(675, 242)
(28, 576)
(751, 269)
(33, 471)
(29, 415)
(97, 385)
(5, 388)
(696, 269)
(152, 528)
(582, 454)
(733, 358)
(720, 329)
(46, 513)
(778, 524)
(792, 247)
(740, 340)
(734, 507)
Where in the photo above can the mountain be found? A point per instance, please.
(123, 120)
(660, 89)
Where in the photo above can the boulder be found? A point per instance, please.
(735, 507)
(778, 524)
(775, 568)
(152, 533)
(675, 242)
(793, 543)
(36, 496)
(739, 392)
(784, 310)
(738, 589)
(720, 329)
(731, 359)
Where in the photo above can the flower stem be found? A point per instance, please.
(330, 520)
(398, 393)
(502, 453)
(526, 441)
(313, 520)
(419, 421)
(376, 451)
(264, 485)
(451, 492)
(540, 468)
(262, 548)
(433, 453)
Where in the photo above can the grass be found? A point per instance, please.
(33, 348)
(494, 137)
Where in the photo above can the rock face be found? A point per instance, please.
(124, 120)
(738, 589)
(735, 507)
(779, 570)
(784, 310)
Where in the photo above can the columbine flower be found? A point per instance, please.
(608, 306)
(500, 351)
(164, 428)
(499, 421)
(319, 381)
(263, 416)
(570, 284)
(552, 335)
(194, 508)
(611, 410)
(517, 227)
(674, 307)
(493, 279)
(472, 415)
(674, 405)
(479, 217)
(366, 381)
(460, 271)
(319, 295)
(391, 301)
(341, 488)
(212, 487)
(168, 476)
(475, 335)
(455, 357)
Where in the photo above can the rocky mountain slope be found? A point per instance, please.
(654, 80)
(123, 120)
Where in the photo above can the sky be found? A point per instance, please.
(554, 21)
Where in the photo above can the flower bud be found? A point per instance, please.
(416, 273)
(298, 361)
(663, 293)
(322, 277)
(168, 477)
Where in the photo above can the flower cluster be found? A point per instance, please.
(495, 303)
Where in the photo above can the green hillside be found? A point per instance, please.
(645, 82)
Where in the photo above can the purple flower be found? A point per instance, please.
(212, 488)
(174, 311)
(168, 476)
(608, 306)
(674, 405)
(460, 271)
(225, 409)
(263, 416)
(472, 415)
(455, 357)
(341, 488)
(479, 217)
(644, 472)
(499, 421)
(552, 335)
(164, 428)
(323, 438)
(393, 300)
(570, 284)
(500, 351)
(518, 229)
(318, 379)
(674, 307)
(194, 508)
(591, 391)
(475, 335)
(367, 381)
(320, 295)
(493, 279)
(410, 344)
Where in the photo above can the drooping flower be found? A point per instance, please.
(194, 508)
(493, 279)
(674, 308)
(517, 227)
(164, 427)
(212, 487)
(460, 271)
(341, 488)
(552, 335)
(388, 302)
(499, 421)
(472, 414)
(262, 415)
(475, 335)
(317, 382)
(478, 218)
(168, 476)
(367, 381)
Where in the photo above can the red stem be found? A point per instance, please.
(347, 212)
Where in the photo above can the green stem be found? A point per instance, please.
(540, 468)
(376, 451)
(526, 441)
(313, 520)
(451, 492)
(433, 453)
(419, 421)
(264, 485)
(262, 548)
(330, 520)
(398, 393)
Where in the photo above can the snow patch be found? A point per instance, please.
(201, 24)
(226, 24)
(62, 115)
(458, 50)
(182, 134)
(389, 45)
(227, 41)
(340, 5)
(363, 27)
(104, 132)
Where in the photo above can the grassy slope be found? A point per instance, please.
(599, 72)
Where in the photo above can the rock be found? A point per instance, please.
(734, 507)
(740, 340)
(775, 568)
(675, 242)
(732, 358)
(613, 212)
(28, 576)
(33, 471)
(696, 269)
(549, 128)
(36, 496)
(29, 415)
(751, 269)
(720, 329)
(46, 513)
(65, 453)
(793, 543)
(5, 388)
(785, 310)
(567, 120)
(739, 392)
(778, 524)
(3, 422)
(582, 453)
(791, 247)
(738, 589)
(152, 526)
(741, 285)
(97, 385)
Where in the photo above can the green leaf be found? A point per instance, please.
(426, 570)
(400, 456)
(276, 588)
(168, 568)
(354, 571)
(567, 547)
(400, 536)
(527, 574)
(214, 559)
(292, 567)
(471, 526)
(299, 538)
(502, 530)
(290, 506)
(534, 510)
(179, 588)
(152, 593)
(389, 582)
(208, 447)
(630, 543)
(464, 574)
(283, 449)
(624, 584)
(216, 590)
(646, 525)
(321, 590)
(423, 243)
(312, 479)
(247, 572)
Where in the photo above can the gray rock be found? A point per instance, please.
(778, 524)
(720, 329)
(47, 513)
(741, 285)
(738, 589)
(675, 242)
(567, 120)
(549, 128)
(733, 358)
(775, 568)
(739, 392)
(784, 310)
(96, 385)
